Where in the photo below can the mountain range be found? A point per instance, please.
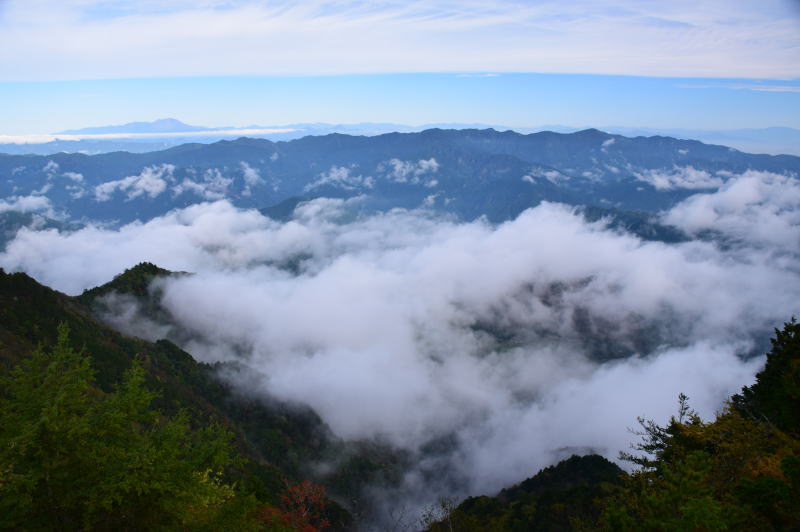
(467, 173)
(163, 133)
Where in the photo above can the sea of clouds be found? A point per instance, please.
(519, 343)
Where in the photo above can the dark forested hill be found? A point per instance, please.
(556, 498)
(277, 441)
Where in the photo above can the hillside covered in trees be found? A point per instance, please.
(467, 173)
(100, 431)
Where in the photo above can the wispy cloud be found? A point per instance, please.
(759, 87)
(87, 39)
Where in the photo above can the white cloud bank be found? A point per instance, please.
(412, 172)
(685, 177)
(734, 39)
(759, 208)
(252, 178)
(26, 204)
(211, 185)
(341, 177)
(388, 325)
(152, 181)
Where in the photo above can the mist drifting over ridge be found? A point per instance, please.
(517, 344)
(403, 288)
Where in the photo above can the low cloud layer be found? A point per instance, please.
(210, 185)
(518, 344)
(26, 204)
(680, 177)
(341, 177)
(756, 209)
(410, 171)
(152, 181)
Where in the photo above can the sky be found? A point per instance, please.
(709, 64)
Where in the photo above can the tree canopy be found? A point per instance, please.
(74, 457)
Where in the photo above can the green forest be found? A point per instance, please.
(99, 431)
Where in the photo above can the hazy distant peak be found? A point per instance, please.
(162, 125)
(591, 132)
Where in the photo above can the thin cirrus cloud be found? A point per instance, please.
(758, 87)
(94, 39)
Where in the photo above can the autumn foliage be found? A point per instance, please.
(302, 508)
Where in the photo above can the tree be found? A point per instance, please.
(775, 396)
(302, 508)
(738, 472)
(73, 457)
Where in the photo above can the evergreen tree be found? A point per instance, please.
(775, 396)
(73, 457)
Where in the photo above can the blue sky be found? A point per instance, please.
(708, 64)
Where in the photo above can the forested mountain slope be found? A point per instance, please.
(274, 442)
(468, 173)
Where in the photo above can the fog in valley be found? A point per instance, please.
(485, 352)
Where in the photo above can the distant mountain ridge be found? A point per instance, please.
(171, 132)
(162, 125)
(469, 173)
